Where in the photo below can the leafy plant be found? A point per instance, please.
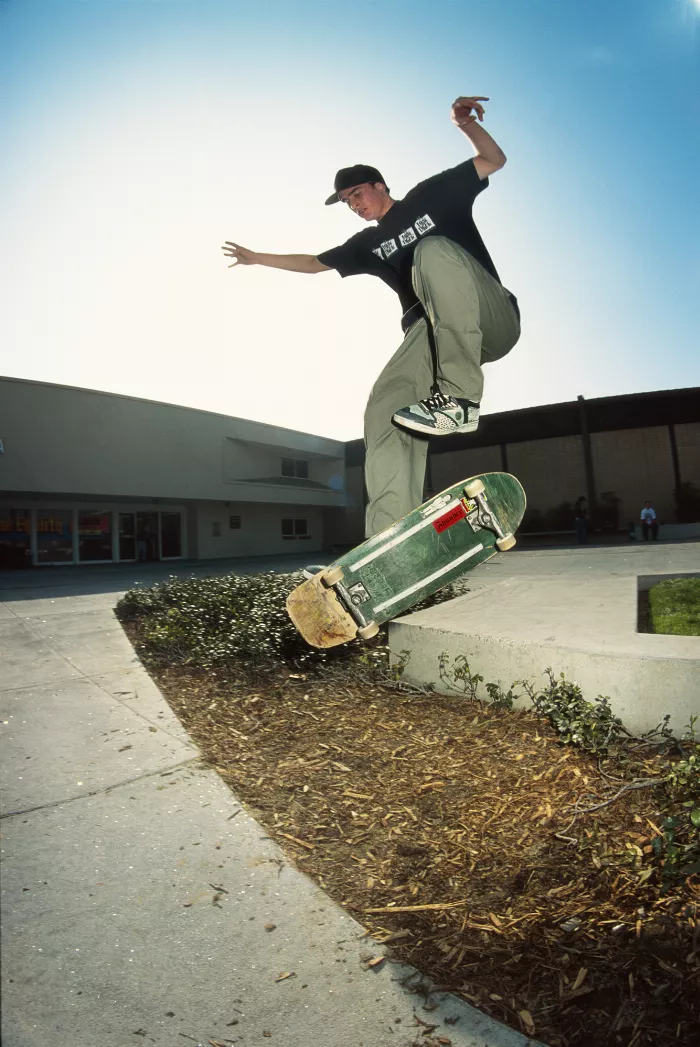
(207, 622)
(591, 726)
(460, 676)
(213, 621)
(678, 847)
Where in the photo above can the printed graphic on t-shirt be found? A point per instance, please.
(424, 224)
(408, 236)
(439, 206)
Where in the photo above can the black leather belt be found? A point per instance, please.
(417, 312)
(412, 315)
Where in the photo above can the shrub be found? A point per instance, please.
(588, 725)
(678, 847)
(211, 621)
(238, 618)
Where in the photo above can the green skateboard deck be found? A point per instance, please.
(382, 578)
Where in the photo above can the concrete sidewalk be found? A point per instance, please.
(140, 903)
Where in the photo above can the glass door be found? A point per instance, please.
(147, 544)
(170, 535)
(127, 536)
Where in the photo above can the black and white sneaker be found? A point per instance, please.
(439, 415)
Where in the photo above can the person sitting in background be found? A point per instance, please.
(649, 523)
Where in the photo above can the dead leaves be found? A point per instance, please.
(452, 836)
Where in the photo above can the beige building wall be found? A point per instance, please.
(637, 465)
(61, 439)
(74, 450)
(551, 471)
(688, 445)
(260, 530)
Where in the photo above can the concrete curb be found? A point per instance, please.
(572, 610)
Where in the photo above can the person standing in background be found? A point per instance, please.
(580, 514)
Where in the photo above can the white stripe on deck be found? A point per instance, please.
(426, 581)
(407, 534)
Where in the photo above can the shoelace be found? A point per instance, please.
(437, 401)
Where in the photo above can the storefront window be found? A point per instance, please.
(15, 538)
(54, 535)
(95, 536)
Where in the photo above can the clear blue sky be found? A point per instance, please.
(138, 135)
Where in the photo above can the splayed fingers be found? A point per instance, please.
(241, 255)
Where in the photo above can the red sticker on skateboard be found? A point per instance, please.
(455, 514)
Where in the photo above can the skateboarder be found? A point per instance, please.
(456, 313)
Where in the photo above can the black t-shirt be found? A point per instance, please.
(439, 206)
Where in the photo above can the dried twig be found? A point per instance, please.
(417, 908)
(644, 783)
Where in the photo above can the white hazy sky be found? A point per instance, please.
(138, 135)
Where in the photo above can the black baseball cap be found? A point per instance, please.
(347, 177)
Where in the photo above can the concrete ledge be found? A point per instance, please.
(645, 582)
(574, 611)
(641, 691)
(674, 532)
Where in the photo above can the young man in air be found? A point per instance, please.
(456, 313)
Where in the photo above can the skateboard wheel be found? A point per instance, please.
(474, 488)
(332, 577)
(507, 542)
(366, 632)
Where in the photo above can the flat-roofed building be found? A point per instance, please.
(617, 452)
(91, 477)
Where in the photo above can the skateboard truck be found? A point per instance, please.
(351, 600)
(483, 517)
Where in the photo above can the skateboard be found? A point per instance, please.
(446, 536)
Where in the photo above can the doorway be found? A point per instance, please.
(147, 537)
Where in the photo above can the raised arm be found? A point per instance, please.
(489, 156)
(293, 263)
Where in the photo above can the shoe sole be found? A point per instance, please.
(406, 423)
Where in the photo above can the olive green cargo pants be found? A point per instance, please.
(474, 323)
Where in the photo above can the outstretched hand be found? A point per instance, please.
(464, 107)
(240, 255)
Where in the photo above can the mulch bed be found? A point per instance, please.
(446, 828)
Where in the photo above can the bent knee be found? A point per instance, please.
(431, 245)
